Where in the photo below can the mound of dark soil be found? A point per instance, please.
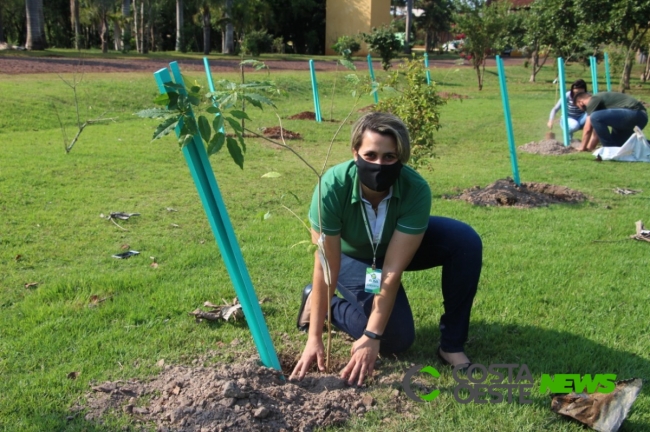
(305, 115)
(447, 95)
(276, 132)
(243, 397)
(367, 108)
(506, 193)
(549, 147)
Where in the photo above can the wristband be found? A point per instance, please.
(372, 335)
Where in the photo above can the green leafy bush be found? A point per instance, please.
(257, 42)
(346, 46)
(384, 42)
(417, 105)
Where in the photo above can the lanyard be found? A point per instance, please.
(375, 246)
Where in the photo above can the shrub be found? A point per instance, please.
(278, 45)
(384, 42)
(417, 105)
(346, 46)
(257, 42)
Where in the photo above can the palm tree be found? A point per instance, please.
(35, 25)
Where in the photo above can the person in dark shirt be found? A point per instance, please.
(618, 111)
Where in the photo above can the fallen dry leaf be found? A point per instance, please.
(95, 300)
(153, 265)
(175, 225)
(73, 375)
(125, 246)
(18, 257)
(169, 209)
(31, 285)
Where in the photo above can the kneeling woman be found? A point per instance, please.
(375, 217)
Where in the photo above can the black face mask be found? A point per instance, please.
(377, 177)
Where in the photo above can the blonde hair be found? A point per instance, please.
(383, 124)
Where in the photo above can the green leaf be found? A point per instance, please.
(189, 124)
(213, 110)
(161, 99)
(229, 101)
(258, 97)
(347, 64)
(157, 113)
(165, 128)
(195, 89)
(216, 143)
(235, 151)
(235, 125)
(217, 123)
(271, 174)
(204, 128)
(241, 142)
(194, 100)
(239, 114)
(184, 140)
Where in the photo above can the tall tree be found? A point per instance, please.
(485, 27)
(437, 18)
(623, 22)
(35, 25)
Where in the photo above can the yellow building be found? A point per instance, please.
(353, 17)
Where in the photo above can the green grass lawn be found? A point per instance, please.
(563, 289)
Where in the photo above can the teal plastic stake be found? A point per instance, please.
(565, 106)
(607, 77)
(314, 89)
(506, 114)
(426, 66)
(594, 74)
(372, 77)
(206, 185)
(208, 74)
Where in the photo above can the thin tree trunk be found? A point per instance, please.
(126, 24)
(117, 35)
(206, 29)
(137, 32)
(103, 34)
(2, 33)
(179, 25)
(646, 73)
(629, 60)
(152, 35)
(143, 26)
(428, 36)
(74, 22)
(227, 45)
(35, 25)
(409, 24)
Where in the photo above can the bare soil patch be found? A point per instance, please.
(243, 396)
(506, 193)
(447, 95)
(305, 115)
(549, 147)
(276, 132)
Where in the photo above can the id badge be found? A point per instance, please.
(373, 280)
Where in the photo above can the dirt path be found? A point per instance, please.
(19, 64)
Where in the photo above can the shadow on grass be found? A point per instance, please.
(544, 351)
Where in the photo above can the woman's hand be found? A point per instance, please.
(550, 124)
(364, 353)
(314, 350)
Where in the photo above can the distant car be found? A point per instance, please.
(452, 46)
(506, 51)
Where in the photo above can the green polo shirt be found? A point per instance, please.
(609, 100)
(408, 210)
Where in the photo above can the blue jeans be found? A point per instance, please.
(575, 124)
(622, 122)
(448, 243)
